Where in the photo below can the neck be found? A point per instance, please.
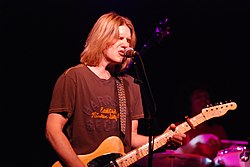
(100, 71)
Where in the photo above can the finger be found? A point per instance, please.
(172, 126)
(173, 140)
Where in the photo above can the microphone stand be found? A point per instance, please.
(149, 105)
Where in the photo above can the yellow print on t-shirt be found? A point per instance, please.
(106, 113)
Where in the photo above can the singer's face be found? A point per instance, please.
(114, 54)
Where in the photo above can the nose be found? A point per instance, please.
(125, 46)
(125, 43)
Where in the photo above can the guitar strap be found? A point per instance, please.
(122, 103)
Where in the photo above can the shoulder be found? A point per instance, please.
(130, 80)
(72, 73)
(128, 77)
(75, 69)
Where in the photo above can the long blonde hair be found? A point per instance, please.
(102, 35)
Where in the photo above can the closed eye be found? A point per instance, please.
(126, 39)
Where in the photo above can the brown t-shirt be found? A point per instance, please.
(91, 104)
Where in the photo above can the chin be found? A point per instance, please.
(121, 60)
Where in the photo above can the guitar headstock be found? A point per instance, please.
(218, 110)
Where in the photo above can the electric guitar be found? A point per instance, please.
(111, 151)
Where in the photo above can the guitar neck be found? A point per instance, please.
(131, 157)
(134, 155)
(191, 123)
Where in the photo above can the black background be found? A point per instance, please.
(208, 43)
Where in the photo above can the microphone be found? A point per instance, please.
(130, 52)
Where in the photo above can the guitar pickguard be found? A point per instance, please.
(105, 160)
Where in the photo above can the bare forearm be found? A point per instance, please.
(63, 149)
(138, 140)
